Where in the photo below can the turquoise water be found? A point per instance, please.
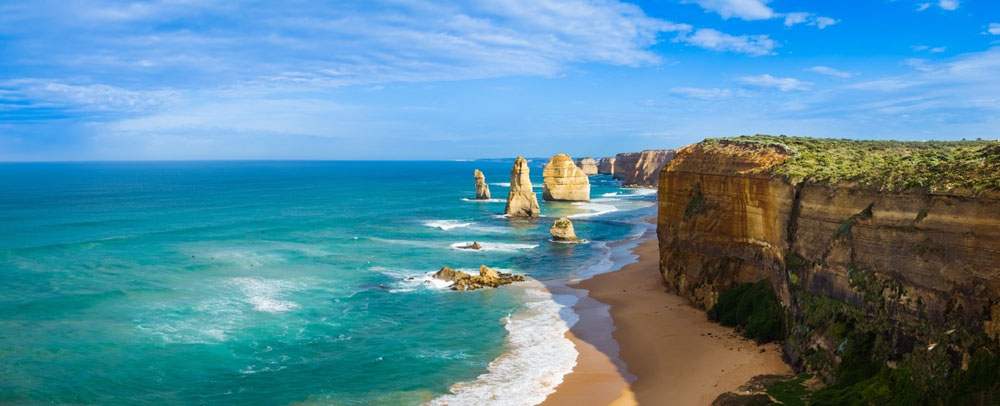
(269, 283)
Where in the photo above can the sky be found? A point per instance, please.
(415, 79)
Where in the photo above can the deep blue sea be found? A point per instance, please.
(280, 283)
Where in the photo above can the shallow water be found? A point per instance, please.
(263, 283)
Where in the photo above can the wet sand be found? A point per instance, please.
(663, 352)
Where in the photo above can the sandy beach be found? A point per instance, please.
(663, 352)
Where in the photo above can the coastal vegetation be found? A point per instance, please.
(884, 164)
(752, 308)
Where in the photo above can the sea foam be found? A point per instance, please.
(446, 224)
(539, 355)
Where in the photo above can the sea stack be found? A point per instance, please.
(564, 181)
(562, 230)
(606, 166)
(521, 201)
(587, 165)
(482, 189)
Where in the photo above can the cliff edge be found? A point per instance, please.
(880, 252)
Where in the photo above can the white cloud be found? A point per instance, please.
(823, 22)
(314, 44)
(755, 45)
(758, 10)
(828, 71)
(701, 93)
(994, 28)
(809, 19)
(744, 9)
(948, 4)
(91, 97)
(782, 84)
(795, 18)
(933, 50)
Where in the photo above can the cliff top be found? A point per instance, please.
(973, 165)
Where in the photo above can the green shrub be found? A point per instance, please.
(754, 308)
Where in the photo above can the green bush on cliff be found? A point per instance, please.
(886, 164)
(754, 308)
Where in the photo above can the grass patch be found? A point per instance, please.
(752, 307)
(895, 165)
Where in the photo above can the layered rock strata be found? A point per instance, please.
(487, 278)
(606, 166)
(905, 265)
(564, 181)
(482, 189)
(587, 165)
(521, 201)
(641, 169)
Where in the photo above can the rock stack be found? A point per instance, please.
(487, 278)
(562, 230)
(587, 165)
(521, 201)
(564, 181)
(606, 166)
(482, 189)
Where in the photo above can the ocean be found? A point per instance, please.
(287, 283)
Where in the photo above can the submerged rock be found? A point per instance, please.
(474, 246)
(521, 201)
(564, 181)
(487, 278)
(562, 230)
(482, 189)
(587, 165)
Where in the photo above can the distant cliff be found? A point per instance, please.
(884, 255)
(641, 169)
(606, 166)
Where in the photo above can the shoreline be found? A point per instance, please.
(648, 346)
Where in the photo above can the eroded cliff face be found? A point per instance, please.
(564, 181)
(641, 169)
(915, 262)
(587, 165)
(606, 166)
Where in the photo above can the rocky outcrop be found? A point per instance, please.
(606, 166)
(905, 265)
(482, 189)
(564, 181)
(641, 169)
(562, 230)
(521, 201)
(587, 165)
(487, 278)
(474, 246)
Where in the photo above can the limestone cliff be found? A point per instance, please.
(606, 166)
(641, 169)
(850, 239)
(521, 201)
(564, 181)
(587, 165)
(482, 189)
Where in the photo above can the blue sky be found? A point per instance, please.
(413, 79)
